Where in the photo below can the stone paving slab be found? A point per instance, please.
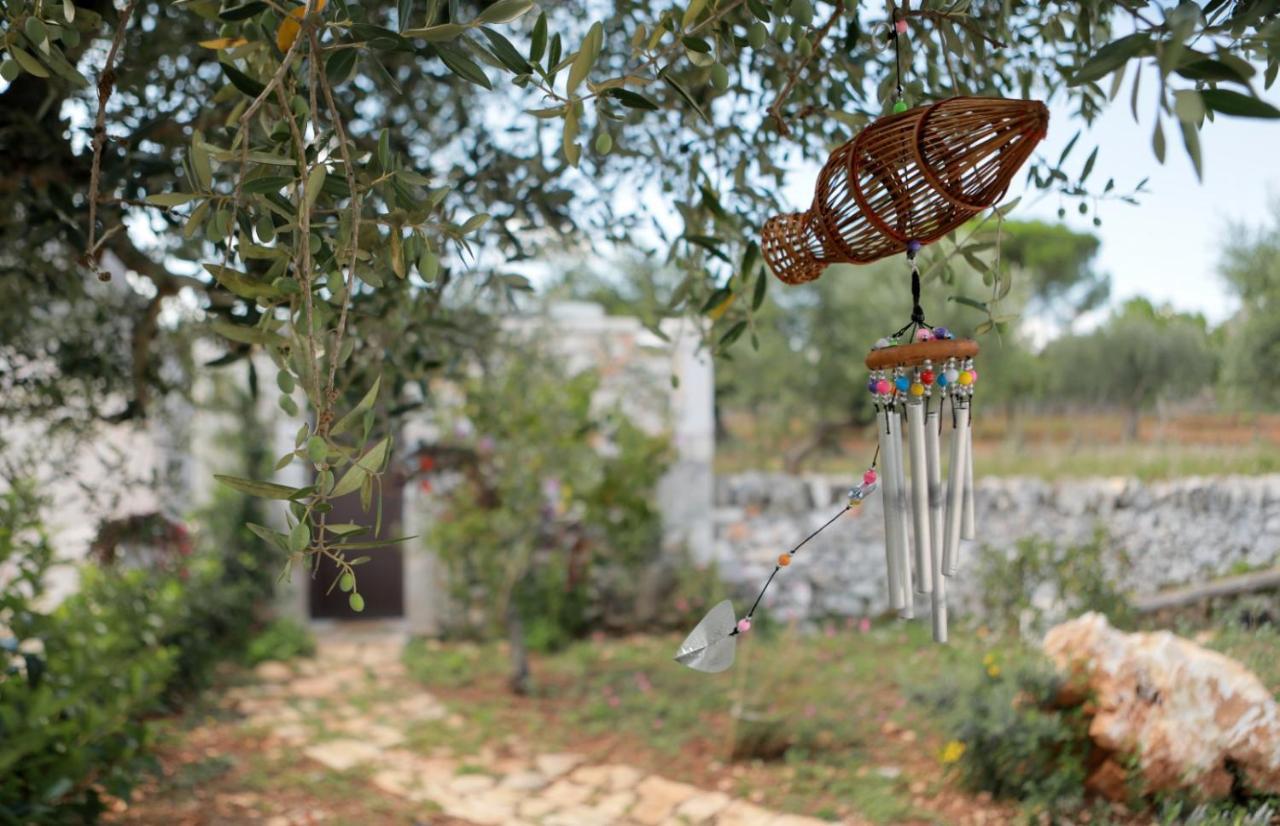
(516, 788)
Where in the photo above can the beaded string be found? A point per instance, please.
(868, 483)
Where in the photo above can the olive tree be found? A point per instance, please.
(355, 188)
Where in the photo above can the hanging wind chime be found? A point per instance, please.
(905, 181)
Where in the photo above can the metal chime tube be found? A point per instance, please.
(968, 520)
(889, 500)
(904, 529)
(919, 495)
(933, 460)
(955, 486)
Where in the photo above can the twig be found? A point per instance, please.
(106, 84)
(775, 110)
(349, 171)
(964, 21)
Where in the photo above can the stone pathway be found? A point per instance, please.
(349, 709)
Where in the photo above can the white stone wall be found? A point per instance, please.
(1173, 532)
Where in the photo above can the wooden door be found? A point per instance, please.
(381, 579)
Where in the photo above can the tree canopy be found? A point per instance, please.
(355, 189)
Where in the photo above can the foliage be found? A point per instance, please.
(553, 510)
(80, 679)
(283, 639)
(1140, 355)
(342, 185)
(1251, 266)
(77, 679)
(1043, 582)
(1007, 737)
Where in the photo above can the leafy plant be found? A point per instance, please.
(1042, 582)
(1008, 737)
(281, 640)
(551, 519)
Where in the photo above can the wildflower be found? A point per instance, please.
(989, 659)
(993, 671)
(952, 751)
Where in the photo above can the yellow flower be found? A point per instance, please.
(993, 671)
(989, 659)
(952, 751)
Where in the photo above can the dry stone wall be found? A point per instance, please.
(1173, 533)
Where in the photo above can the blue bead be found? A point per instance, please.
(940, 380)
(941, 332)
(871, 385)
(902, 382)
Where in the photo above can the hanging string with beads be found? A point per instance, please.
(856, 495)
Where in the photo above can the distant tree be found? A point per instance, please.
(1140, 355)
(1251, 347)
(1053, 266)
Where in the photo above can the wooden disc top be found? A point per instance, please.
(912, 355)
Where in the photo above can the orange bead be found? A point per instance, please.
(784, 560)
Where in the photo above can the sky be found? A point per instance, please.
(1167, 247)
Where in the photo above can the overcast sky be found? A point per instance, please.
(1167, 247)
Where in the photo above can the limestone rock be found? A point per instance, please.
(341, 755)
(1189, 715)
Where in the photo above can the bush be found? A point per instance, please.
(282, 640)
(1043, 583)
(81, 679)
(548, 509)
(1009, 737)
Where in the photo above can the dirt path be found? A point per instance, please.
(331, 740)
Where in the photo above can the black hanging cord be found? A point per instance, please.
(777, 568)
(897, 50)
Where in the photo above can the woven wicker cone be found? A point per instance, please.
(913, 355)
(912, 176)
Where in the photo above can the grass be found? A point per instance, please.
(863, 718)
(1057, 447)
(820, 701)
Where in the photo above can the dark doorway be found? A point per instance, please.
(382, 577)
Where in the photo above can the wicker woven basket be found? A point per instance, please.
(914, 176)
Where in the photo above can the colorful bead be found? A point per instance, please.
(942, 379)
(900, 26)
(927, 377)
(880, 344)
(883, 387)
(899, 107)
(974, 373)
(784, 560)
(941, 332)
(917, 389)
(966, 378)
(744, 625)
(872, 384)
(924, 334)
(913, 246)
(869, 477)
(953, 376)
(903, 383)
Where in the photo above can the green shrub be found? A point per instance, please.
(1008, 737)
(1043, 583)
(282, 640)
(80, 680)
(552, 513)
(77, 679)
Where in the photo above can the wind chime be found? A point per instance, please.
(905, 181)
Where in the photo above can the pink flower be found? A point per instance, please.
(864, 625)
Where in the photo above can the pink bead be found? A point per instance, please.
(744, 625)
(883, 387)
(900, 26)
(974, 373)
(869, 478)
(924, 334)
